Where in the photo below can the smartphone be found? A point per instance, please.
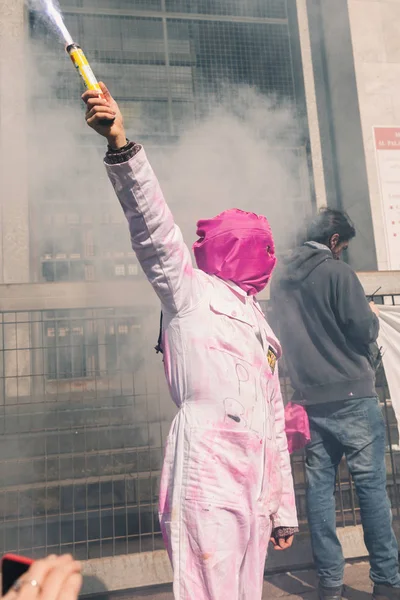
(12, 567)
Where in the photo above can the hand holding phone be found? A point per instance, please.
(12, 568)
(53, 578)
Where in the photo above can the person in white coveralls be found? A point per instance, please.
(226, 485)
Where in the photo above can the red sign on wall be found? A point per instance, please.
(387, 138)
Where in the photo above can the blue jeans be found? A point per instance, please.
(356, 429)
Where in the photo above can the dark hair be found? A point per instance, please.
(327, 223)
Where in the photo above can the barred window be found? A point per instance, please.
(71, 347)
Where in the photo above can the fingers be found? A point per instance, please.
(275, 543)
(98, 112)
(105, 91)
(49, 579)
(71, 587)
(105, 111)
(282, 543)
(60, 576)
(102, 113)
(96, 101)
(36, 572)
(100, 116)
(102, 119)
(94, 94)
(91, 94)
(285, 543)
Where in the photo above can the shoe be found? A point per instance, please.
(326, 593)
(385, 592)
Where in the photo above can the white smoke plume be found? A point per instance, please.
(243, 154)
(50, 13)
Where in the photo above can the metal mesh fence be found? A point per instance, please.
(84, 413)
(81, 434)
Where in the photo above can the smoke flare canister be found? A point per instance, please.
(81, 63)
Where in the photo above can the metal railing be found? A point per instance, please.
(84, 412)
(81, 434)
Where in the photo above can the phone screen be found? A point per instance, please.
(12, 567)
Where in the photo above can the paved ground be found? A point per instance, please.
(300, 584)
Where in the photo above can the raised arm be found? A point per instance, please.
(156, 239)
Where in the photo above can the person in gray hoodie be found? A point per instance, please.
(326, 327)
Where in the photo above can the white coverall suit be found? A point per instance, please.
(226, 480)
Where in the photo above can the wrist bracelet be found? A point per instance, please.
(119, 150)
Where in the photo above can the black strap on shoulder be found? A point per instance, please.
(159, 347)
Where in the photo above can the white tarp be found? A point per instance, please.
(389, 340)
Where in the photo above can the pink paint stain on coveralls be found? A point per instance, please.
(188, 270)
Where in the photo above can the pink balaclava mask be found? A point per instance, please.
(236, 246)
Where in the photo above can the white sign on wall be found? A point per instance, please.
(387, 144)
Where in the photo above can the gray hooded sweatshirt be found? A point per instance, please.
(325, 325)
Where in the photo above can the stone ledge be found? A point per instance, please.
(153, 568)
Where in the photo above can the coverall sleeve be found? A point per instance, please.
(156, 239)
(359, 324)
(286, 516)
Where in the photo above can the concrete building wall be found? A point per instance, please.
(340, 123)
(311, 101)
(14, 240)
(375, 30)
(14, 207)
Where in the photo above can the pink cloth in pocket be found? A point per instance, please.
(297, 427)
